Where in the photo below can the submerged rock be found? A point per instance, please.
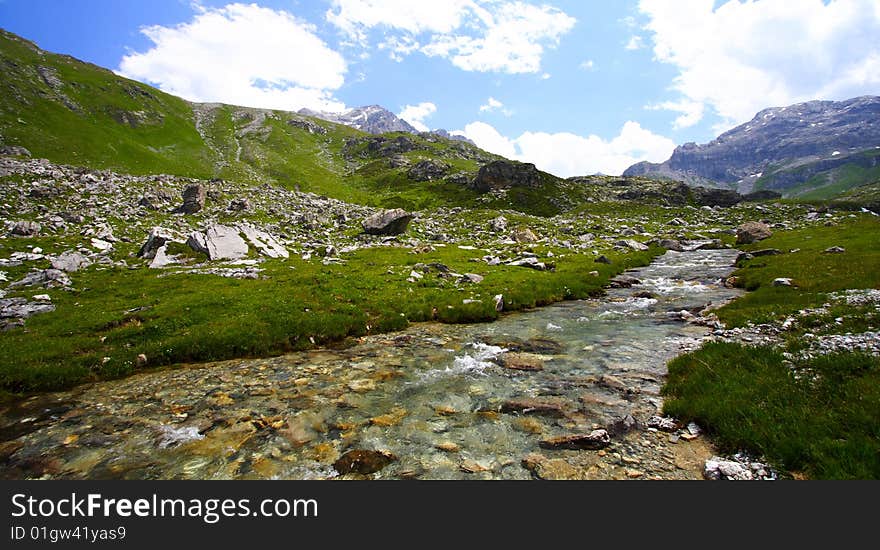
(522, 361)
(595, 440)
(363, 462)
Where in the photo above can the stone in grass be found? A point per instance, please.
(193, 199)
(387, 222)
(363, 462)
(751, 232)
(26, 229)
(835, 250)
(782, 281)
(219, 242)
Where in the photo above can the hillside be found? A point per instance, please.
(67, 111)
(813, 150)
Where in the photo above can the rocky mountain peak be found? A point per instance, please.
(795, 149)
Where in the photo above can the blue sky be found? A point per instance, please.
(575, 86)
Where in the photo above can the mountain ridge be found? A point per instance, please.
(805, 149)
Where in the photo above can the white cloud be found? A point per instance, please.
(507, 36)
(691, 112)
(565, 154)
(636, 42)
(588, 65)
(491, 105)
(743, 57)
(416, 115)
(243, 55)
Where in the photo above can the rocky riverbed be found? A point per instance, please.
(569, 391)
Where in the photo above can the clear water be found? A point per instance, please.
(431, 395)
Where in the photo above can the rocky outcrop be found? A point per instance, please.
(387, 222)
(266, 244)
(428, 170)
(506, 174)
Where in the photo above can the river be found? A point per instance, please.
(430, 402)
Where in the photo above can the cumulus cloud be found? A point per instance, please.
(741, 57)
(416, 115)
(244, 55)
(566, 154)
(505, 36)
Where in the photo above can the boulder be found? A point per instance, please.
(387, 222)
(157, 238)
(670, 244)
(751, 232)
(505, 174)
(782, 281)
(632, 245)
(239, 205)
(26, 229)
(219, 242)
(835, 250)
(70, 261)
(524, 235)
(193, 199)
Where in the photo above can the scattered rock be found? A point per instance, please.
(498, 225)
(751, 232)
(782, 281)
(663, 423)
(835, 250)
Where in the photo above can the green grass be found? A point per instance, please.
(98, 331)
(815, 274)
(818, 417)
(825, 424)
